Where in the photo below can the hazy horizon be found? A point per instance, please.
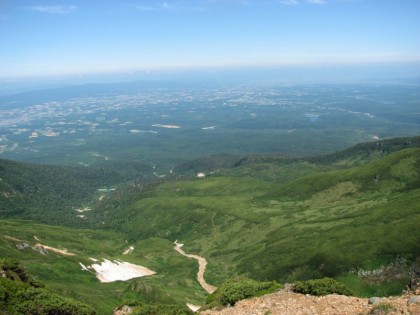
(78, 41)
(390, 73)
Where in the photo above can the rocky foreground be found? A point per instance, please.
(285, 302)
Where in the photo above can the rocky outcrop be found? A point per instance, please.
(285, 302)
(123, 310)
(414, 285)
(415, 299)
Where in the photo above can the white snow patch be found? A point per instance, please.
(178, 244)
(193, 307)
(83, 267)
(129, 250)
(84, 209)
(117, 270)
(160, 176)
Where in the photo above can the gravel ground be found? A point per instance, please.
(285, 302)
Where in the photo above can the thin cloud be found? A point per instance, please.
(241, 2)
(288, 2)
(316, 1)
(145, 8)
(54, 9)
(164, 6)
(175, 6)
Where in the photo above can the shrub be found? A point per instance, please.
(238, 289)
(161, 309)
(40, 301)
(321, 287)
(381, 309)
(11, 269)
(20, 294)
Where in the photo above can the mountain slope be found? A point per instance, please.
(20, 294)
(266, 218)
(58, 264)
(326, 223)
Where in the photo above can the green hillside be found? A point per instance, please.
(327, 223)
(20, 294)
(352, 216)
(174, 281)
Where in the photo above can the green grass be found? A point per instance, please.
(320, 287)
(366, 288)
(240, 288)
(175, 281)
(311, 220)
(322, 224)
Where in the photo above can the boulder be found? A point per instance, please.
(415, 299)
(375, 300)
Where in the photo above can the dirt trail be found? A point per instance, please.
(38, 245)
(202, 263)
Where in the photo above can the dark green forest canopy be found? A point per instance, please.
(47, 193)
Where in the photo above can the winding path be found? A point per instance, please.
(202, 263)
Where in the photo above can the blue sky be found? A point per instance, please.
(76, 37)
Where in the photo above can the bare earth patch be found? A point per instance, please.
(53, 249)
(12, 238)
(202, 263)
(288, 303)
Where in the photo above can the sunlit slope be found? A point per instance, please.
(266, 217)
(174, 281)
(280, 169)
(396, 172)
(324, 223)
(341, 219)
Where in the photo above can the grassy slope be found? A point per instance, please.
(253, 219)
(324, 223)
(174, 282)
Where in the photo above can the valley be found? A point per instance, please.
(174, 281)
(326, 220)
(153, 129)
(162, 195)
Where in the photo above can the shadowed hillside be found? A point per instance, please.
(49, 194)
